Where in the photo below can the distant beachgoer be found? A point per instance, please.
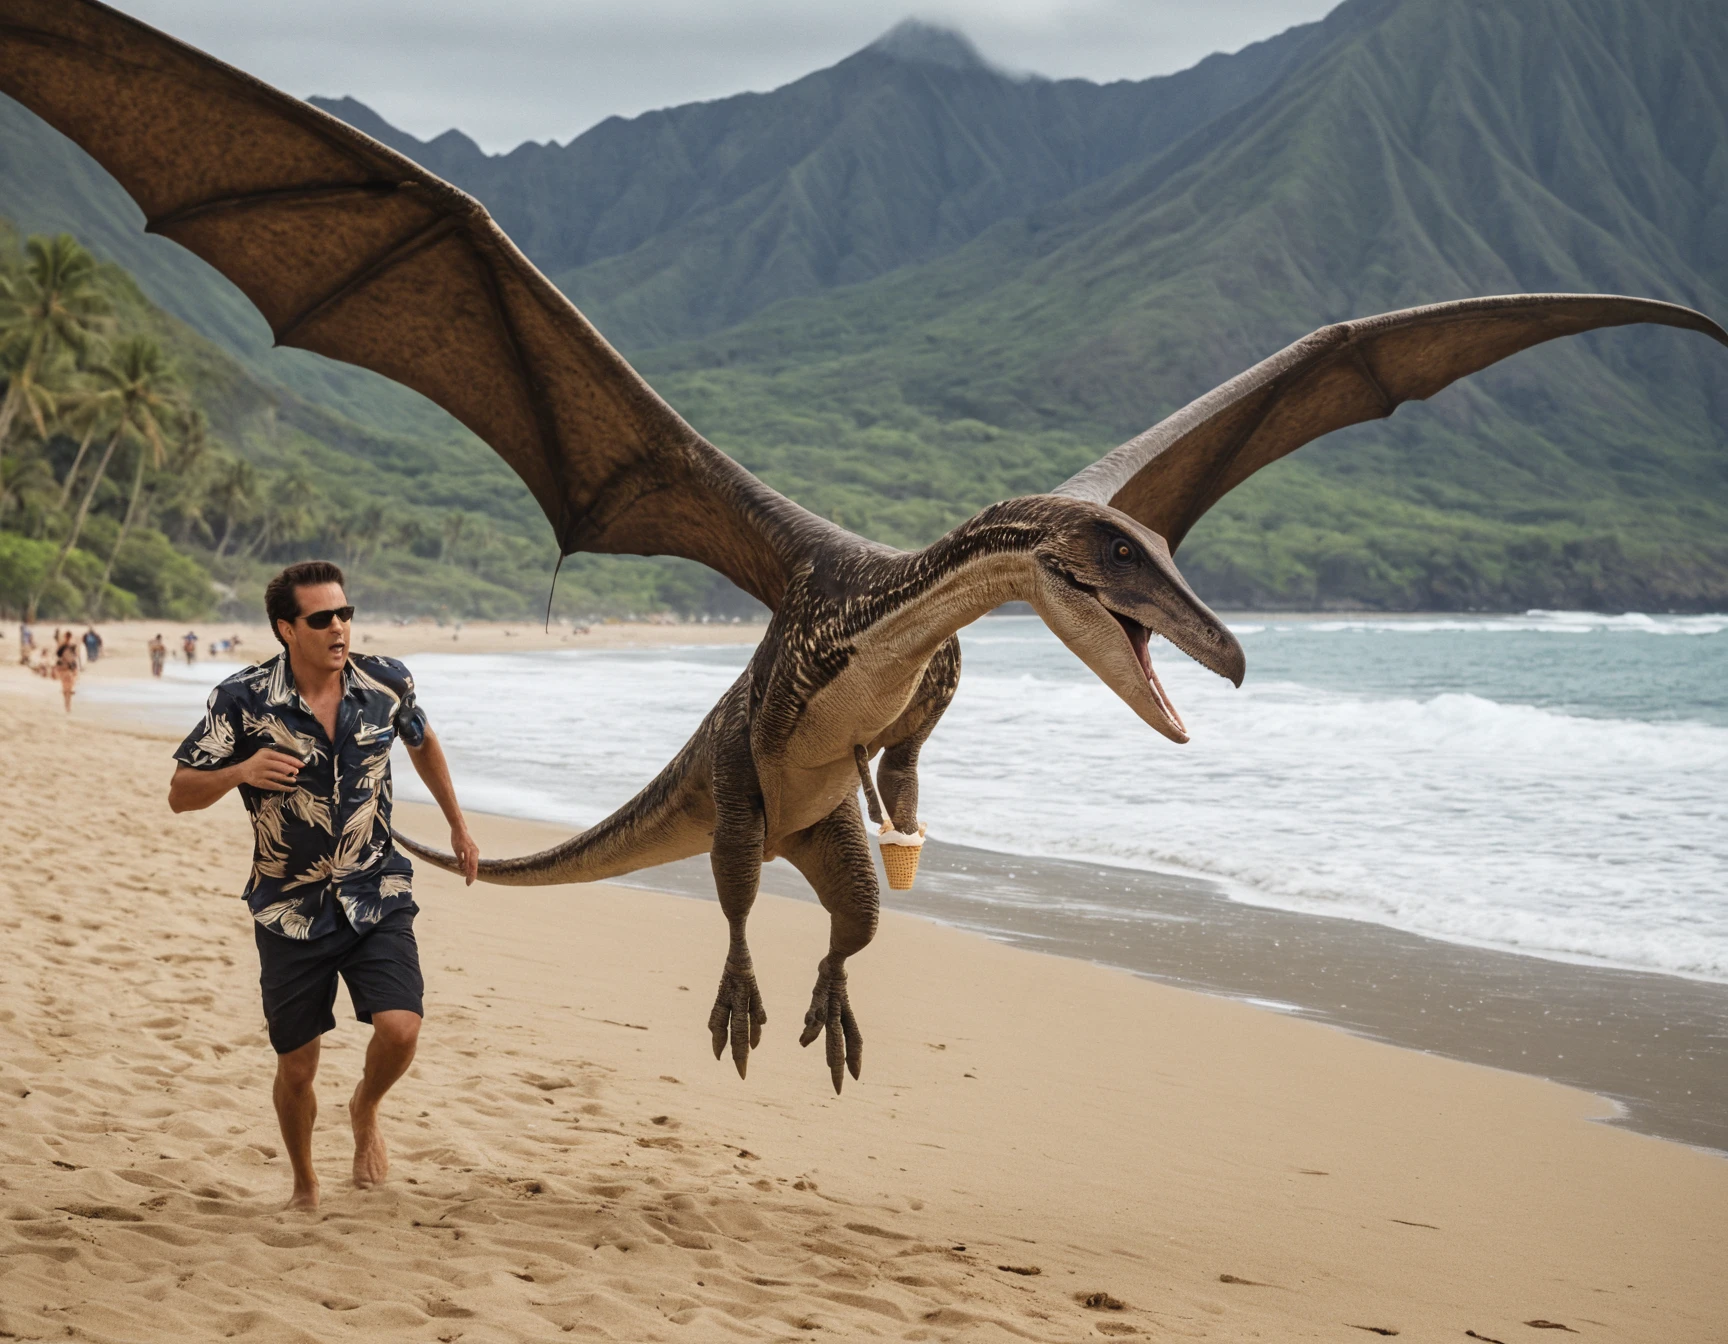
(158, 655)
(92, 645)
(66, 669)
(306, 737)
(189, 647)
(26, 642)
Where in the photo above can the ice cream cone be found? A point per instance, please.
(900, 855)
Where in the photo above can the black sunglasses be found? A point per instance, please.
(320, 620)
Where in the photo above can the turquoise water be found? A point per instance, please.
(1650, 669)
(1553, 783)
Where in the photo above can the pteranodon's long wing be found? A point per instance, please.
(353, 251)
(1340, 375)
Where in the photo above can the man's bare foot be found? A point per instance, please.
(302, 1199)
(371, 1158)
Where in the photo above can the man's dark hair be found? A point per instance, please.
(281, 603)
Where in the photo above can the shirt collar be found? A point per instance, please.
(351, 686)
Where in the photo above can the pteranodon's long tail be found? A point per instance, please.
(667, 820)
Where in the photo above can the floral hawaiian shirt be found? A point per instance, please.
(329, 837)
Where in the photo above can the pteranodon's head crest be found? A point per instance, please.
(1105, 584)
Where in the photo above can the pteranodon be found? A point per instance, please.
(350, 250)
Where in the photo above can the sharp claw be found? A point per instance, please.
(831, 1015)
(854, 1041)
(738, 1017)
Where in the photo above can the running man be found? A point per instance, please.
(306, 738)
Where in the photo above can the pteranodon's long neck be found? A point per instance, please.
(932, 593)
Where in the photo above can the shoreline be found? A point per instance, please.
(1653, 1043)
(1031, 1133)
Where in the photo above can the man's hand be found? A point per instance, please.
(466, 851)
(193, 790)
(270, 769)
(434, 772)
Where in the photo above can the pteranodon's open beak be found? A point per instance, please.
(1109, 628)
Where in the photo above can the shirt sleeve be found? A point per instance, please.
(211, 745)
(409, 719)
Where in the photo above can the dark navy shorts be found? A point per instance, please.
(298, 976)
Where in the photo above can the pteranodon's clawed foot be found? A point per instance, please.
(830, 1012)
(738, 1015)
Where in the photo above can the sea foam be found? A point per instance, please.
(1472, 778)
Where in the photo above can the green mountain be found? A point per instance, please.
(908, 285)
(1423, 150)
(685, 221)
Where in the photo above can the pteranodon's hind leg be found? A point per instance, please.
(834, 857)
(736, 858)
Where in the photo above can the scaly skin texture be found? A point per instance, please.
(861, 659)
(350, 250)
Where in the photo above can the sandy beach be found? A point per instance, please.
(1040, 1148)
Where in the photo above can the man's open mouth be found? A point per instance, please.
(1137, 636)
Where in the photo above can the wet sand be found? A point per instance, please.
(1657, 1045)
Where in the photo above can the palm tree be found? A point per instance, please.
(288, 506)
(182, 492)
(27, 387)
(84, 409)
(53, 306)
(234, 493)
(190, 449)
(26, 481)
(139, 390)
(359, 533)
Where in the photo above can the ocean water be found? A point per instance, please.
(1553, 783)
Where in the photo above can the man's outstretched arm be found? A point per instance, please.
(434, 772)
(193, 790)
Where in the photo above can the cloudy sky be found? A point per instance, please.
(506, 71)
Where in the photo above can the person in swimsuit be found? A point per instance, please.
(158, 655)
(66, 668)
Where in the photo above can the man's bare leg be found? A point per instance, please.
(296, 1111)
(395, 1033)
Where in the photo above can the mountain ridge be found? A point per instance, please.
(682, 221)
(1115, 250)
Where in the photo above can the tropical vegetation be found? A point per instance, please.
(143, 472)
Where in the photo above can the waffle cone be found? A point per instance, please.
(901, 864)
